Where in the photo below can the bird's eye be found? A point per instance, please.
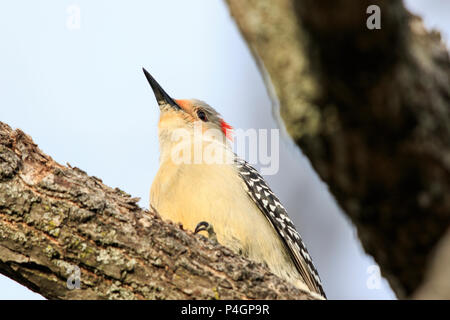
(202, 115)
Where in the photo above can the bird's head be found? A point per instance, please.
(186, 114)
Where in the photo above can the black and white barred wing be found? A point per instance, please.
(274, 211)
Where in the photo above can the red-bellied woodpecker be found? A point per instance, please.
(227, 196)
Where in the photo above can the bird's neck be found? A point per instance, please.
(189, 148)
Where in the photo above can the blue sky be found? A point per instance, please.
(80, 93)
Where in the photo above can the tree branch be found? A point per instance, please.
(54, 218)
(370, 109)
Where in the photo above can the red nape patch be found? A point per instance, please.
(226, 129)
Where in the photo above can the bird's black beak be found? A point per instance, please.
(161, 96)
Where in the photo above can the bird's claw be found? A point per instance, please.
(201, 226)
(205, 226)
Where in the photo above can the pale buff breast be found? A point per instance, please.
(190, 193)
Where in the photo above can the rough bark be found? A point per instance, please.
(54, 218)
(370, 109)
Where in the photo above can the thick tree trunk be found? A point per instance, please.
(57, 220)
(370, 109)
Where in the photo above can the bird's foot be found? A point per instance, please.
(205, 226)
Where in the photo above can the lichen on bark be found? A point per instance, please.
(370, 109)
